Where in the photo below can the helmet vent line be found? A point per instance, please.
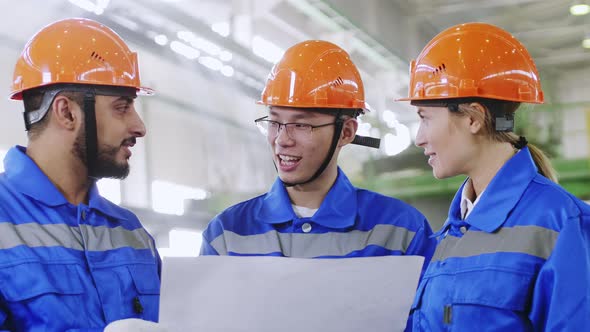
(338, 81)
(96, 56)
(440, 69)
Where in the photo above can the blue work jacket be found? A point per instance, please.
(350, 222)
(519, 262)
(65, 267)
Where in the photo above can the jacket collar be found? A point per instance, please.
(26, 177)
(338, 210)
(500, 196)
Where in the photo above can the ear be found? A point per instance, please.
(349, 128)
(477, 120)
(66, 112)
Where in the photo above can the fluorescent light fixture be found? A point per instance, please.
(124, 21)
(185, 50)
(225, 56)
(185, 36)
(161, 40)
(266, 49)
(97, 7)
(222, 28)
(205, 45)
(211, 63)
(579, 9)
(586, 42)
(199, 43)
(227, 71)
(85, 4)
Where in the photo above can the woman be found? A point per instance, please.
(514, 253)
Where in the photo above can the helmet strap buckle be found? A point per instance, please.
(33, 116)
(503, 121)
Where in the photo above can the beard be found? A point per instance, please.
(106, 164)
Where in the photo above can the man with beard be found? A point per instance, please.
(69, 258)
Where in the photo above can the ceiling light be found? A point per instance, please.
(161, 40)
(227, 71)
(211, 63)
(185, 50)
(97, 8)
(580, 9)
(198, 42)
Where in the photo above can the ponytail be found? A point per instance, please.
(539, 157)
(543, 163)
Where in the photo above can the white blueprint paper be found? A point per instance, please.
(264, 294)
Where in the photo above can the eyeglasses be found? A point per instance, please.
(271, 128)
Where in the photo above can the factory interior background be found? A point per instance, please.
(208, 61)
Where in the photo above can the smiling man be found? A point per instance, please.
(314, 95)
(70, 259)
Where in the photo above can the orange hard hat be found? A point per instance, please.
(314, 74)
(76, 51)
(474, 60)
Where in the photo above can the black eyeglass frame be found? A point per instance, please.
(312, 127)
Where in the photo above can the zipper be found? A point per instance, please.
(448, 314)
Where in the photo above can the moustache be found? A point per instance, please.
(129, 141)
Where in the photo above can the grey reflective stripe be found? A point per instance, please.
(313, 245)
(99, 238)
(532, 240)
(102, 238)
(37, 235)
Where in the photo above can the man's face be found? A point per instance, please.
(118, 125)
(298, 155)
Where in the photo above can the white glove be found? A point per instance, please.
(134, 324)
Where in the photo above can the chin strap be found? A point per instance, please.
(91, 134)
